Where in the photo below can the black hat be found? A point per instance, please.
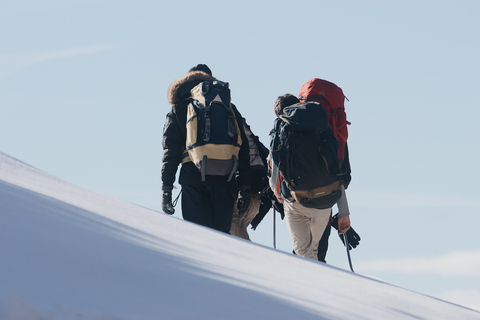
(202, 68)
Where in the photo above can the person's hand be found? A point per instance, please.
(243, 201)
(343, 224)
(167, 205)
(352, 236)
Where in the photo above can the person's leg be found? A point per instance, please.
(319, 221)
(248, 216)
(253, 208)
(323, 243)
(195, 205)
(240, 223)
(299, 228)
(236, 229)
(306, 226)
(221, 204)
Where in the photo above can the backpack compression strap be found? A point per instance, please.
(208, 123)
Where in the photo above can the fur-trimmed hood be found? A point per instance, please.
(180, 88)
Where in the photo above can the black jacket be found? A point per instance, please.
(174, 138)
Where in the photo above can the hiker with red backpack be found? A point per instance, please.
(332, 99)
(204, 133)
(309, 171)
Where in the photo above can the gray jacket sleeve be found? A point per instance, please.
(342, 204)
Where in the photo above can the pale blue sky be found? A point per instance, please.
(83, 96)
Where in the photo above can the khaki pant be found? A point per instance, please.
(241, 223)
(306, 226)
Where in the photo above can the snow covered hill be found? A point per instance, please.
(70, 253)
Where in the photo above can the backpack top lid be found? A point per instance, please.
(208, 92)
(322, 91)
(306, 117)
(332, 98)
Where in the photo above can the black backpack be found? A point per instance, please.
(306, 151)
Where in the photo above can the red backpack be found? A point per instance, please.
(332, 98)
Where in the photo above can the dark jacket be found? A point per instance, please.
(258, 161)
(174, 138)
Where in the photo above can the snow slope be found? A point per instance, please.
(70, 253)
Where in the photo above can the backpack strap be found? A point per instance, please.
(208, 124)
(185, 157)
(235, 166)
(313, 97)
(204, 165)
(232, 131)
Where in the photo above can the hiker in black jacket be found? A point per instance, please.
(306, 225)
(209, 203)
(259, 203)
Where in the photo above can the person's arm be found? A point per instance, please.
(343, 213)
(243, 177)
(173, 145)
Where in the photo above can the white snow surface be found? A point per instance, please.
(70, 253)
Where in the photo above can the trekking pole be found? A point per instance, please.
(274, 230)
(348, 251)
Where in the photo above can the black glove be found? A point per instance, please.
(279, 207)
(265, 206)
(352, 237)
(167, 205)
(243, 201)
(275, 203)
